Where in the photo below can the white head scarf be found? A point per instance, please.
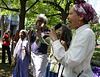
(18, 45)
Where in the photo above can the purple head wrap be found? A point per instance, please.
(84, 9)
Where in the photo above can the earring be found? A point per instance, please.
(79, 22)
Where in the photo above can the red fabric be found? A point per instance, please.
(6, 42)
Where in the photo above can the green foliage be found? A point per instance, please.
(99, 38)
(30, 24)
(96, 28)
(12, 4)
(40, 7)
(46, 9)
(96, 57)
(5, 12)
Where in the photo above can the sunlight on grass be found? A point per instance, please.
(6, 70)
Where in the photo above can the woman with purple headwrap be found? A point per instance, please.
(76, 60)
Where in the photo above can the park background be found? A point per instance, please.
(21, 14)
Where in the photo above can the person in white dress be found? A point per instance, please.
(76, 60)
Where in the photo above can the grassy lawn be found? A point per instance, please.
(6, 70)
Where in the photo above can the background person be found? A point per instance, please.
(76, 60)
(22, 53)
(5, 46)
(39, 53)
(9, 34)
(15, 39)
(64, 35)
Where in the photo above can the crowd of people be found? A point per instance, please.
(69, 57)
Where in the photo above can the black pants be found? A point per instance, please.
(8, 52)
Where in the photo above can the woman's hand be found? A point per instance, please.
(14, 42)
(52, 34)
(55, 58)
(64, 44)
(24, 48)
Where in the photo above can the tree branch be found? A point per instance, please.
(5, 4)
(32, 5)
(35, 12)
(53, 15)
(7, 8)
(16, 10)
(48, 15)
(67, 5)
(55, 4)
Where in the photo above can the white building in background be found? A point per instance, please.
(11, 22)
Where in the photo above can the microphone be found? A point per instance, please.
(56, 27)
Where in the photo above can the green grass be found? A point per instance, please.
(6, 70)
(96, 55)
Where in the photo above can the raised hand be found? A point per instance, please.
(52, 34)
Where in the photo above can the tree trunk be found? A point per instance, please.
(2, 26)
(64, 17)
(22, 15)
(65, 12)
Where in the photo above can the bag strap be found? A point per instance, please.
(80, 73)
